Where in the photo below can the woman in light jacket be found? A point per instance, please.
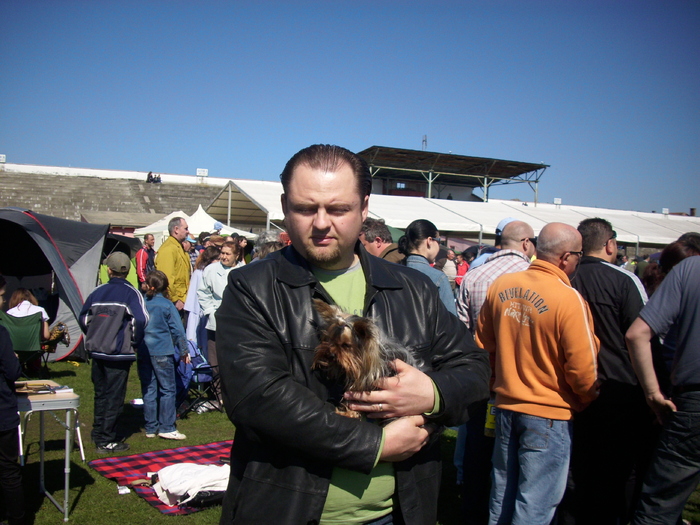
(210, 291)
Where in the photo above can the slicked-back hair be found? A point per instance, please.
(417, 231)
(373, 228)
(328, 158)
(174, 223)
(595, 233)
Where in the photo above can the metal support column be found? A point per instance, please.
(228, 216)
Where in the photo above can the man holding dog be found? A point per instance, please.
(294, 459)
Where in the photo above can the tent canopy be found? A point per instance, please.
(53, 255)
(254, 202)
(121, 243)
(199, 221)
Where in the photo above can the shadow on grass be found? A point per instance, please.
(80, 479)
(130, 422)
(62, 373)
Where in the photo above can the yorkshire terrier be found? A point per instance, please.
(355, 353)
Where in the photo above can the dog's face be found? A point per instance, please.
(349, 350)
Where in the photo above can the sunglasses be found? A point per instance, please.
(533, 240)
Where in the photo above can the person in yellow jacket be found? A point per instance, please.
(172, 260)
(539, 333)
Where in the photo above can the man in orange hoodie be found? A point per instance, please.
(539, 333)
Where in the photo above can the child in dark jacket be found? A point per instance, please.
(156, 362)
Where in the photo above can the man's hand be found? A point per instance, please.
(404, 437)
(179, 305)
(408, 393)
(186, 358)
(662, 407)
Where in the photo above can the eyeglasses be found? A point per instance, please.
(613, 238)
(580, 254)
(533, 240)
(437, 239)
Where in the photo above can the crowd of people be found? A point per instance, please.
(572, 374)
(180, 289)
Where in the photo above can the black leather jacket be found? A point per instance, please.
(288, 438)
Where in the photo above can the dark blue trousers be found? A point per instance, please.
(674, 472)
(109, 378)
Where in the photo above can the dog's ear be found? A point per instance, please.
(328, 312)
(364, 330)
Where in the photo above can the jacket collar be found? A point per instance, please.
(172, 240)
(418, 259)
(508, 253)
(588, 259)
(294, 270)
(221, 269)
(538, 265)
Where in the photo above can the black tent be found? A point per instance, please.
(56, 258)
(121, 243)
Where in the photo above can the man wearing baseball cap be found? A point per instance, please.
(113, 319)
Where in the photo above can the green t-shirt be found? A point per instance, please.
(354, 497)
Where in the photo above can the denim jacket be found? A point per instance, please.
(420, 263)
(164, 330)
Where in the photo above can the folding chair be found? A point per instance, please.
(25, 333)
(197, 381)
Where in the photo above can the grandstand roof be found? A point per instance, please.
(407, 164)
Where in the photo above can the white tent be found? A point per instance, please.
(476, 219)
(199, 221)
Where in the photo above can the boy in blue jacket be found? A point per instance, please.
(113, 320)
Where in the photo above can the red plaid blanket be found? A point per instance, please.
(127, 469)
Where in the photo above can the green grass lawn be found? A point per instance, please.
(94, 500)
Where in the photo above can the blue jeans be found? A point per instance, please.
(674, 472)
(530, 467)
(157, 374)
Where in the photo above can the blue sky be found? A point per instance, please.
(607, 93)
